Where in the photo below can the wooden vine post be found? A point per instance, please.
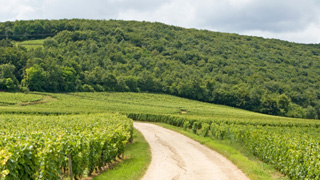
(70, 167)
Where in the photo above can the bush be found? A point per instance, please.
(87, 88)
(204, 129)
(99, 88)
(25, 90)
(186, 125)
(195, 127)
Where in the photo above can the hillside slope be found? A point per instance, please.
(263, 75)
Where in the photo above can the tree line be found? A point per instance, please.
(263, 75)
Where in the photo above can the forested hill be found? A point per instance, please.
(263, 75)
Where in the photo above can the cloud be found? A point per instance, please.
(310, 34)
(12, 10)
(292, 20)
(172, 12)
(242, 15)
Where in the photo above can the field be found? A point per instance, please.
(41, 147)
(18, 98)
(31, 44)
(290, 145)
(141, 103)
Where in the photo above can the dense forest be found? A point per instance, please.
(263, 75)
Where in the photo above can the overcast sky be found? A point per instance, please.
(291, 20)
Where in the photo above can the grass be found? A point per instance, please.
(15, 98)
(133, 168)
(144, 103)
(250, 165)
(31, 44)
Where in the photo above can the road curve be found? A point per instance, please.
(177, 157)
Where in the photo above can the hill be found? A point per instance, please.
(133, 103)
(263, 75)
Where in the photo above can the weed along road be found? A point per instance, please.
(177, 157)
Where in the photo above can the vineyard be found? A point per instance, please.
(38, 146)
(293, 148)
(14, 98)
(43, 147)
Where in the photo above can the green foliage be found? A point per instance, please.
(133, 168)
(36, 78)
(8, 80)
(50, 43)
(263, 75)
(291, 145)
(204, 129)
(186, 125)
(195, 126)
(311, 113)
(4, 157)
(10, 85)
(292, 148)
(283, 103)
(87, 88)
(31, 44)
(16, 98)
(38, 147)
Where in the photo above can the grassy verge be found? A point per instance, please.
(244, 160)
(133, 168)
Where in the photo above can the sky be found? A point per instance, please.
(290, 20)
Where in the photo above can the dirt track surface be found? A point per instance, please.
(177, 157)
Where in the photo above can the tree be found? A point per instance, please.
(255, 96)
(131, 83)
(145, 82)
(50, 42)
(283, 102)
(6, 71)
(311, 113)
(269, 105)
(295, 111)
(10, 85)
(69, 78)
(36, 78)
(109, 81)
(7, 79)
(6, 43)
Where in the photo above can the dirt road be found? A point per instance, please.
(177, 157)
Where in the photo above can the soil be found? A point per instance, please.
(177, 157)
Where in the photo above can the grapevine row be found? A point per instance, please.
(293, 150)
(39, 147)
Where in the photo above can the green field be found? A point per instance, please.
(18, 98)
(31, 44)
(145, 103)
(142, 103)
(290, 145)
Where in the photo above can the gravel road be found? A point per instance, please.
(177, 157)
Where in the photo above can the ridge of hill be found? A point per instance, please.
(263, 75)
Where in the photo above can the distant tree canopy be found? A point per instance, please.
(263, 75)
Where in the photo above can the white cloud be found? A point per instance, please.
(24, 11)
(239, 3)
(177, 12)
(292, 20)
(309, 35)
